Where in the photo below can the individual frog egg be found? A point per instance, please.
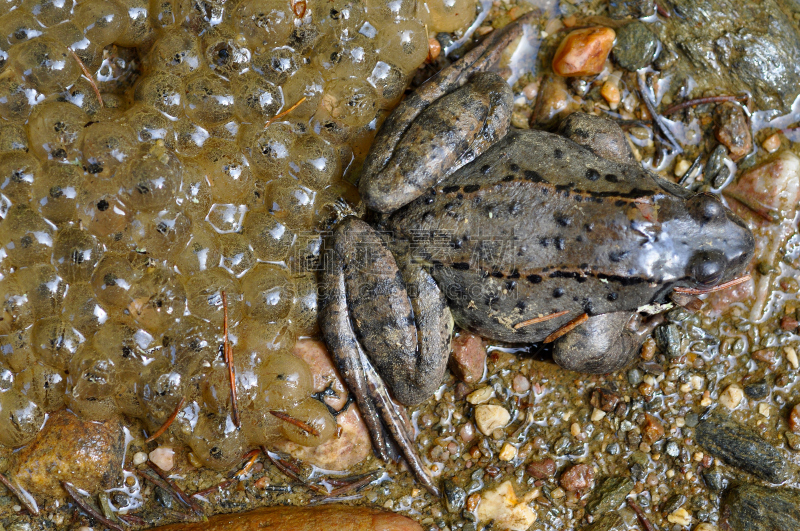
(55, 195)
(17, 308)
(303, 91)
(126, 347)
(194, 194)
(20, 419)
(446, 16)
(18, 173)
(315, 415)
(91, 384)
(202, 253)
(209, 99)
(215, 389)
(16, 97)
(167, 14)
(82, 95)
(19, 26)
(7, 6)
(150, 126)
(45, 288)
(226, 218)
(128, 395)
(107, 146)
(71, 36)
(341, 19)
(103, 214)
(237, 256)
(256, 99)
(113, 279)
(260, 427)
(161, 234)
(13, 138)
(305, 307)
(16, 349)
(43, 385)
(101, 20)
(269, 238)
(176, 52)
(285, 380)
(162, 389)
(192, 343)
(50, 12)
(266, 338)
(215, 442)
(149, 183)
(26, 237)
(384, 12)
(46, 64)
(82, 311)
(389, 83)
(158, 300)
(352, 58)
(162, 91)
(140, 28)
(264, 22)
(315, 162)
(277, 64)
(204, 296)
(270, 151)
(268, 293)
(227, 170)
(291, 203)
(348, 104)
(75, 253)
(54, 341)
(55, 131)
(403, 44)
(227, 57)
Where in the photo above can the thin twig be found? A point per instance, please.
(640, 514)
(540, 319)
(582, 318)
(175, 490)
(355, 485)
(725, 285)
(164, 427)
(251, 457)
(686, 176)
(88, 509)
(284, 467)
(299, 423)
(32, 508)
(284, 113)
(132, 519)
(88, 76)
(218, 486)
(661, 11)
(701, 101)
(229, 361)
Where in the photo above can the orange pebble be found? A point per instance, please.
(583, 52)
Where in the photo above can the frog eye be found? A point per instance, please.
(705, 207)
(707, 267)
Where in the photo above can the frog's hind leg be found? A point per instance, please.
(602, 344)
(602, 136)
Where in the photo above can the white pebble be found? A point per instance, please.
(598, 414)
(489, 418)
(682, 167)
(705, 527)
(480, 396)
(507, 453)
(731, 397)
(163, 457)
(506, 510)
(139, 458)
(85, 528)
(791, 357)
(680, 517)
(697, 382)
(763, 409)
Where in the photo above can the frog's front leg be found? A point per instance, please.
(603, 344)
(376, 332)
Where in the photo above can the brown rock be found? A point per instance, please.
(87, 454)
(577, 478)
(325, 374)
(604, 399)
(469, 357)
(319, 518)
(546, 468)
(731, 129)
(583, 52)
(652, 430)
(794, 419)
(788, 323)
(553, 102)
(766, 355)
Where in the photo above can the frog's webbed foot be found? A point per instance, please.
(368, 322)
(443, 125)
(602, 136)
(604, 343)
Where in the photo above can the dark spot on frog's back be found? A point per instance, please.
(558, 154)
(612, 178)
(461, 266)
(513, 167)
(562, 219)
(534, 177)
(485, 169)
(592, 174)
(534, 279)
(450, 189)
(558, 292)
(617, 256)
(471, 188)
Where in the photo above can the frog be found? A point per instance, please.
(521, 236)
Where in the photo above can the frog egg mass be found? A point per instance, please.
(165, 168)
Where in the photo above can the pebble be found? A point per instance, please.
(480, 396)
(741, 448)
(609, 495)
(755, 508)
(607, 522)
(774, 185)
(636, 46)
(705, 526)
(610, 92)
(490, 417)
(507, 453)
(794, 419)
(520, 384)
(680, 517)
(553, 103)
(454, 496)
(546, 468)
(772, 143)
(791, 357)
(731, 397)
(757, 390)
(604, 399)
(139, 458)
(583, 52)
(577, 478)
(502, 506)
(315, 518)
(732, 130)
(468, 361)
(163, 457)
(631, 8)
(681, 167)
(652, 429)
